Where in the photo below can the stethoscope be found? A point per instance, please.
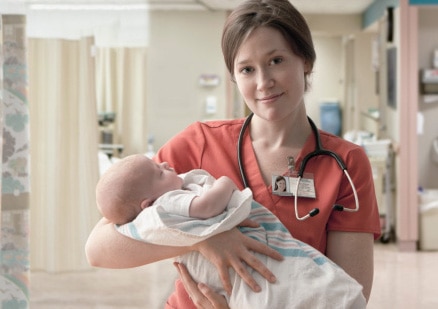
(319, 151)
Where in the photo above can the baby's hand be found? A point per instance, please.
(249, 223)
(227, 181)
(214, 200)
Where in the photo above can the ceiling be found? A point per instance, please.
(305, 6)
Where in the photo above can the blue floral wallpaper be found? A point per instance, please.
(14, 252)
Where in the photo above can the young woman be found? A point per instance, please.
(269, 53)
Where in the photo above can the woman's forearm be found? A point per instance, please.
(354, 253)
(108, 248)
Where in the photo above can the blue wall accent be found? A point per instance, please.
(376, 10)
(423, 2)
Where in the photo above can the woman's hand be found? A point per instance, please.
(202, 296)
(233, 249)
(248, 223)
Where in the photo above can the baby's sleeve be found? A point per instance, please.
(176, 202)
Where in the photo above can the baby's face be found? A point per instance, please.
(164, 178)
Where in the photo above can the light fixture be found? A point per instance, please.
(112, 7)
(88, 7)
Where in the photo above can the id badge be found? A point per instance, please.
(286, 186)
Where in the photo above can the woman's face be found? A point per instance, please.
(270, 77)
(281, 185)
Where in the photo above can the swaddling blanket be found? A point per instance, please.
(305, 278)
(167, 221)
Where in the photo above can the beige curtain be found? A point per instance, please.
(64, 144)
(121, 88)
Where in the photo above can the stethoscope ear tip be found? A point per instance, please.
(314, 212)
(338, 207)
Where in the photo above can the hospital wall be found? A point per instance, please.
(428, 43)
(329, 81)
(426, 40)
(415, 40)
(185, 45)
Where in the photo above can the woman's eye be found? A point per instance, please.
(246, 70)
(277, 60)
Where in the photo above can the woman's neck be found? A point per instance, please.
(290, 132)
(274, 142)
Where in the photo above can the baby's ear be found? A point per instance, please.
(145, 203)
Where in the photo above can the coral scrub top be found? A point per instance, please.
(212, 146)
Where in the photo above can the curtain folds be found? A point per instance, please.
(64, 144)
(121, 88)
(66, 84)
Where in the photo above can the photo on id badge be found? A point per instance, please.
(286, 186)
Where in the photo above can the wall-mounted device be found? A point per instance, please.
(390, 24)
(211, 105)
(429, 81)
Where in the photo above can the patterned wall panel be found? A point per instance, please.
(14, 252)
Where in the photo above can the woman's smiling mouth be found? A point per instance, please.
(270, 98)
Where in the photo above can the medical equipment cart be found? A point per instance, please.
(381, 158)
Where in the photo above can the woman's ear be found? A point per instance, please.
(145, 203)
(307, 68)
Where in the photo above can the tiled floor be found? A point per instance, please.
(144, 287)
(402, 280)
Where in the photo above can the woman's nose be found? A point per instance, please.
(265, 80)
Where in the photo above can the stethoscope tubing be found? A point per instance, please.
(319, 151)
(239, 150)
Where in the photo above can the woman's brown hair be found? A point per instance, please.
(277, 14)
